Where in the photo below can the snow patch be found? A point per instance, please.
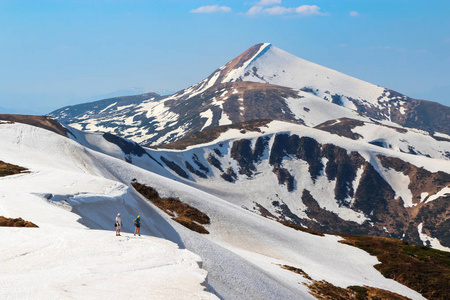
(209, 116)
(427, 240)
(399, 183)
(106, 108)
(442, 193)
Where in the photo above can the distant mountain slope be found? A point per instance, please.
(264, 82)
(322, 181)
(397, 138)
(100, 108)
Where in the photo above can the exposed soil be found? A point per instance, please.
(186, 215)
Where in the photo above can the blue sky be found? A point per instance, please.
(57, 53)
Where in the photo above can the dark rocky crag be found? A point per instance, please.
(372, 195)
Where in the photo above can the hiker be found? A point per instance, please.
(118, 224)
(137, 223)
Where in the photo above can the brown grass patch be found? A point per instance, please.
(325, 290)
(38, 121)
(18, 222)
(421, 268)
(186, 215)
(301, 228)
(10, 169)
(210, 134)
(342, 127)
(296, 270)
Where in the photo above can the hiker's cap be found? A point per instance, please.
(139, 216)
(118, 214)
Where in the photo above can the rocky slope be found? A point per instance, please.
(323, 181)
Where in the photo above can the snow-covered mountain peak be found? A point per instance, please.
(269, 64)
(240, 64)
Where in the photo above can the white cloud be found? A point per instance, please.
(255, 10)
(304, 10)
(309, 10)
(279, 10)
(354, 14)
(210, 9)
(268, 2)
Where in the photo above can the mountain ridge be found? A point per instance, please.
(82, 190)
(88, 181)
(213, 101)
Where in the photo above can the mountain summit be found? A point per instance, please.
(266, 63)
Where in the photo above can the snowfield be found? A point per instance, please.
(65, 259)
(73, 194)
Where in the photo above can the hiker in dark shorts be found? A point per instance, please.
(118, 224)
(137, 223)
